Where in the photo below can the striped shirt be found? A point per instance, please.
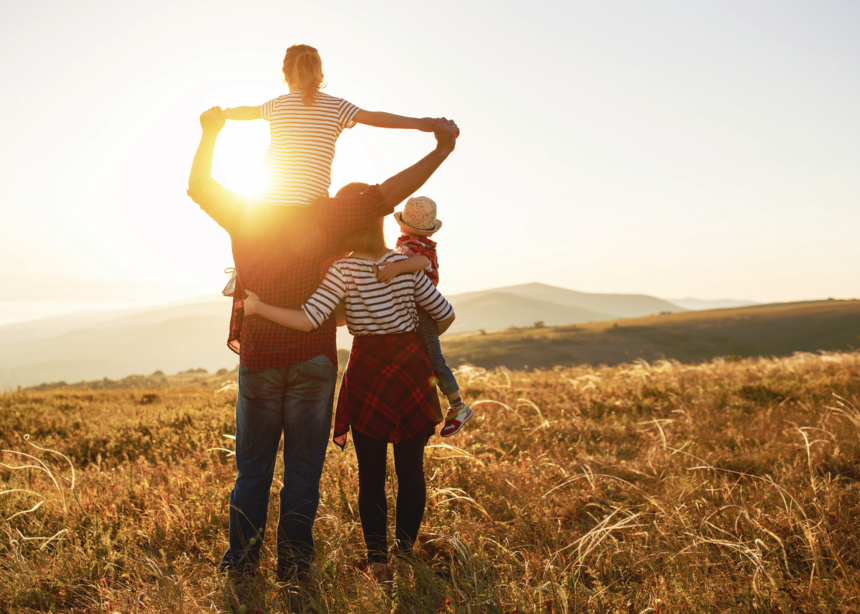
(373, 307)
(301, 147)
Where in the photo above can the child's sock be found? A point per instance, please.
(455, 406)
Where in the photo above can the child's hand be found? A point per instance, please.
(427, 124)
(251, 303)
(212, 120)
(387, 272)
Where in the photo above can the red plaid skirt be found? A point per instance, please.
(388, 391)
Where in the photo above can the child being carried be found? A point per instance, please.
(418, 223)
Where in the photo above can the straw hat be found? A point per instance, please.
(418, 217)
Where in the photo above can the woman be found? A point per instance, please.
(387, 394)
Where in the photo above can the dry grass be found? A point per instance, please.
(726, 486)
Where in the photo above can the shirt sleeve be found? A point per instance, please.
(322, 302)
(267, 108)
(428, 297)
(222, 205)
(408, 248)
(346, 114)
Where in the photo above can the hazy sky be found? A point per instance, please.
(705, 149)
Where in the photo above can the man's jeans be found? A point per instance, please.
(429, 332)
(296, 401)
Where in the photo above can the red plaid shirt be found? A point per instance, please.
(410, 245)
(282, 254)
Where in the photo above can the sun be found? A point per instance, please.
(239, 153)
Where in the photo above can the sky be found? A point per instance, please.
(681, 149)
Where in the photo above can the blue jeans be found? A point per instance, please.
(429, 333)
(295, 400)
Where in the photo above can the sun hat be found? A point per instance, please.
(418, 217)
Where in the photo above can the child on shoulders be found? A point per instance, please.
(304, 126)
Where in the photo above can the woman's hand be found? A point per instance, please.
(251, 303)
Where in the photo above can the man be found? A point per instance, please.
(287, 378)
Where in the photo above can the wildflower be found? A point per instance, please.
(104, 581)
(447, 602)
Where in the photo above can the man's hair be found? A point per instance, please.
(303, 69)
(351, 189)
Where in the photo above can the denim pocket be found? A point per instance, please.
(320, 368)
(258, 383)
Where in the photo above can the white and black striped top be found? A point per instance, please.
(301, 147)
(373, 307)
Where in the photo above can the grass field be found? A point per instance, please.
(727, 486)
(762, 330)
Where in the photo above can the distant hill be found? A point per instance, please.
(498, 310)
(770, 330)
(695, 304)
(603, 306)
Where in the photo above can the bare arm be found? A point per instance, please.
(393, 269)
(242, 113)
(443, 325)
(397, 188)
(290, 318)
(380, 119)
(201, 167)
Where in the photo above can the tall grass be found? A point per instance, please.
(725, 486)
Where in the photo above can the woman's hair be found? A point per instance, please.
(369, 239)
(303, 70)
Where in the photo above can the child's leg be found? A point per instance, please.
(411, 492)
(444, 377)
(372, 506)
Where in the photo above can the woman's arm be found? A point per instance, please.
(242, 113)
(290, 318)
(391, 270)
(443, 325)
(379, 119)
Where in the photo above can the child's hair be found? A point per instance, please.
(303, 69)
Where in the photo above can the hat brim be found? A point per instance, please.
(421, 232)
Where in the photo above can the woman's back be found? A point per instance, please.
(373, 307)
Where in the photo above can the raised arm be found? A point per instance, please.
(243, 113)
(397, 188)
(211, 121)
(380, 119)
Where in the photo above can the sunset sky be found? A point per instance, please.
(674, 148)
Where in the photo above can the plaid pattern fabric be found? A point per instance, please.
(282, 254)
(388, 391)
(409, 245)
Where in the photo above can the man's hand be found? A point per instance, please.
(212, 120)
(446, 132)
(251, 299)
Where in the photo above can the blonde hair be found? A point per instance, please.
(303, 70)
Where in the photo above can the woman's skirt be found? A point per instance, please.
(388, 391)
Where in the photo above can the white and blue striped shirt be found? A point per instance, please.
(373, 307)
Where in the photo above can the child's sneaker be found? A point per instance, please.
(456, 422)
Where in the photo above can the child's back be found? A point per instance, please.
(298, 161)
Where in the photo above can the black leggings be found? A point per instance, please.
(372, 505)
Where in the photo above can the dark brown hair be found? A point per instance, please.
(369, 239)
(303, 70)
